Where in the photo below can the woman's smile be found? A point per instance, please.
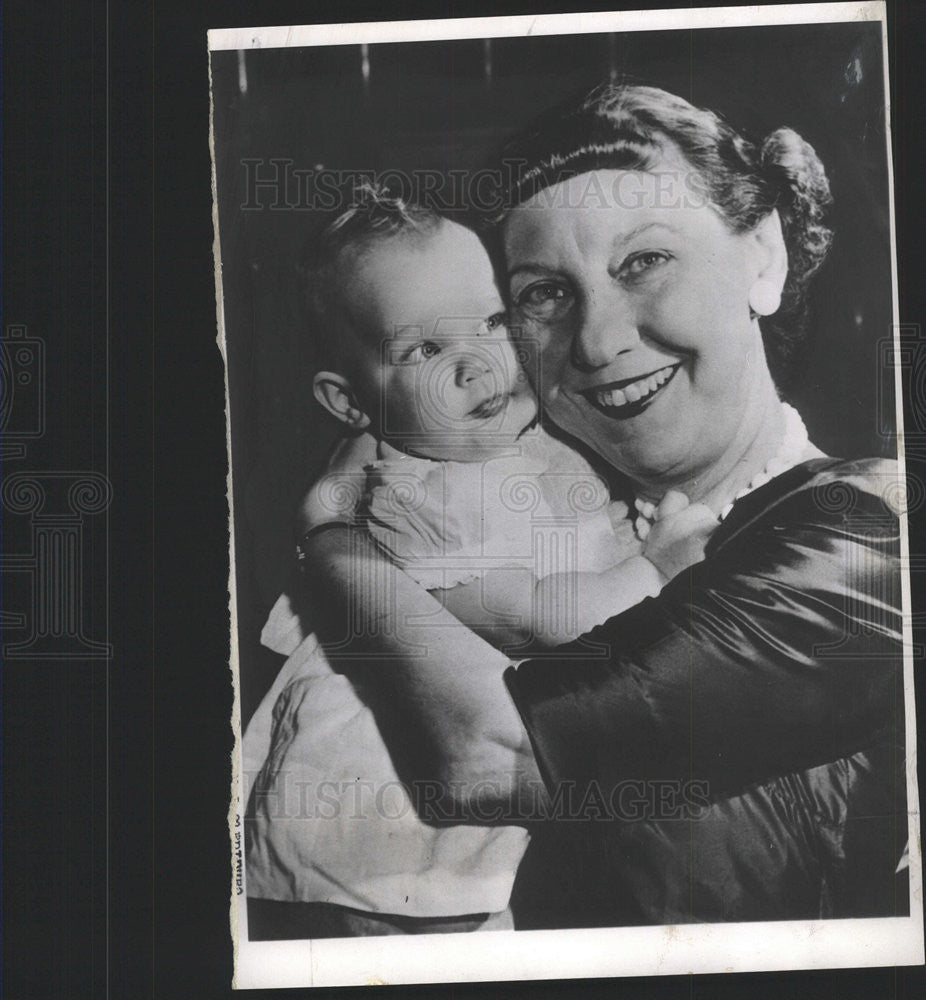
(631, 396)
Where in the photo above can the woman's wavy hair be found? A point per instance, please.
(632, 127)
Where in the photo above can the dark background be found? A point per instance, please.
(434, 106)
(115, 774)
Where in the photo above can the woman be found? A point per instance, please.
(648, 248)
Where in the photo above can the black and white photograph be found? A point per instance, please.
(571, 627)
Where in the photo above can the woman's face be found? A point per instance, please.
(636, 294)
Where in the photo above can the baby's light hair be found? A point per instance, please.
(373, 217)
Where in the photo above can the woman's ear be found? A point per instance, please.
(335, 394)
(771, 266)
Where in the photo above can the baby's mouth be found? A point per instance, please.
(629, 397)
(490, 407)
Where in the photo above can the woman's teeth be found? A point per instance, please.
(633, 393)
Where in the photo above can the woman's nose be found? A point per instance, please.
(608, 328)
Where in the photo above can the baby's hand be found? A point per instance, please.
(679, 534)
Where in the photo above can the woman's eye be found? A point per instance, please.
(644, 262)
(544, 300)
(496, 320)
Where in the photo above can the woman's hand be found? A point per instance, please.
(433, 684)
(337, 491)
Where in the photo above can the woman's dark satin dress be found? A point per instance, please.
(734, 749)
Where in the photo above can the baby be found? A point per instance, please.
(508, 527)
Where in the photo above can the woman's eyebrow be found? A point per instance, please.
(529, 265)
(620, 240)
(642, 228)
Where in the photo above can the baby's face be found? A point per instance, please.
(436, 360)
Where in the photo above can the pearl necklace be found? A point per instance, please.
(790, 453)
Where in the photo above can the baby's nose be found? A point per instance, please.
(469, 369)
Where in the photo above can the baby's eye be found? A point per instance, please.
(497, 320)
(429, 349)
(640, 264)
(424, 351)
(544, 300)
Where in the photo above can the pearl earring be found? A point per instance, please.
(764, 298)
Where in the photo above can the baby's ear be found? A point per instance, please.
(335, 394)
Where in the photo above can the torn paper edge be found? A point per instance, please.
(607, 952)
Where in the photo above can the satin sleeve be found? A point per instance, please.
(781, 651)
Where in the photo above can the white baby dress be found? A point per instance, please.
(330, 820)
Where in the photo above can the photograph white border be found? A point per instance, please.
(586, 953)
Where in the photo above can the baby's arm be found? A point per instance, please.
(567, 605)
(511, 606)
(675, 542)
